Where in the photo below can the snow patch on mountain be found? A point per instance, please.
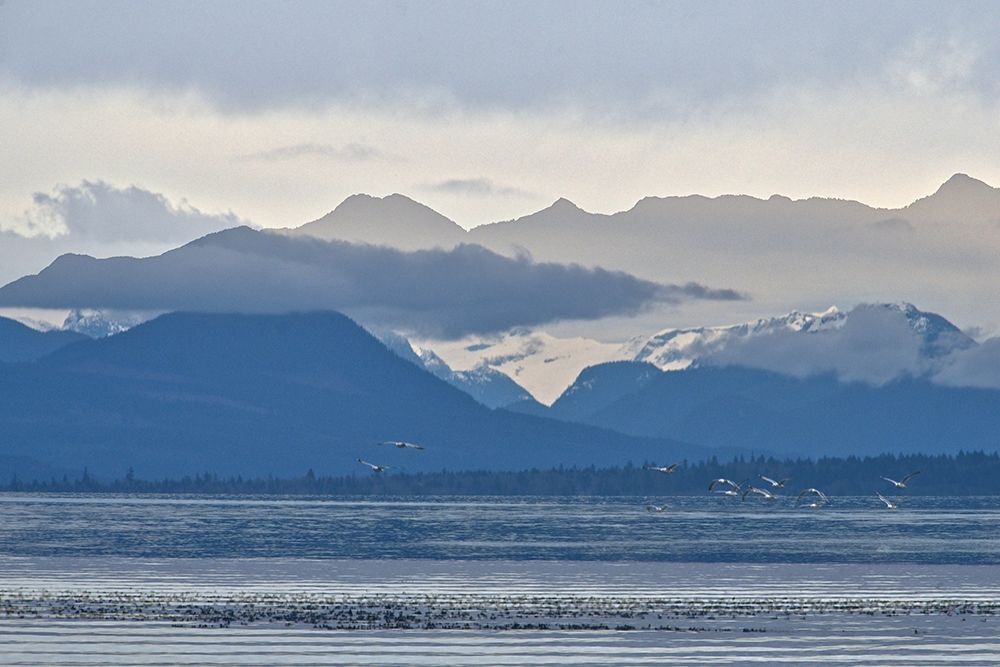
(539, 362)
(102, 323)
(487, 385)
(883, 341)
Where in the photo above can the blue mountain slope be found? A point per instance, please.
(763, 411)
(21, 343)
(259, 395)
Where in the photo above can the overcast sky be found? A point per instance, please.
(484, 111)
(130, 127)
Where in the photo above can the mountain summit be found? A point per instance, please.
(959, 199)
(674, 349)
(395, 220)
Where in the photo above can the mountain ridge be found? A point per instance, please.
(20, 343)
(270, 394)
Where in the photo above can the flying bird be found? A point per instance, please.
(820, 501)
(901, 484)
(374, 466)
(763, 493)
(775, 483)
(656, 508)
(889, 505)
(401, 444)
(733, 490)
(664, 469)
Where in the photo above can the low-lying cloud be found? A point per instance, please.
(976, 367)
(433, 293)
(874, 346)
(98, 211)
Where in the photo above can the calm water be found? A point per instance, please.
(100, 580)
(709, 529)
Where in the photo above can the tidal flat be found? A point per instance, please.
(181, 580)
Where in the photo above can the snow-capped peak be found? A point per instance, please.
(675, 349)
(101, 323)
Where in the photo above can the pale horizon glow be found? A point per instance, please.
(190, 152)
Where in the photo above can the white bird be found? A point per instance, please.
(821, 498)
(775, 483)
(374, 466)
(901, 484)
(656, 508)
(763, 493)
(733, 490)
(400, 444)
(889, 505)
(665, 469)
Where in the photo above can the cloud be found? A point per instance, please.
(480, 187)
(509, 55)
(101, 219)
(97, 211)
(352, 152)
(935, 64)
(878, 102)
(976, 367)
(874, 345)
(434, 293)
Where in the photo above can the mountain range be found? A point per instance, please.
(462, 361)
(762, 411)
(871, 342)
(276, 394)
(270, 394)
(939, 250)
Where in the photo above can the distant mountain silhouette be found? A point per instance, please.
(366, 219)
(259, 395)
(21, 343)
(763, 411)
(779, 250)
(960, 199)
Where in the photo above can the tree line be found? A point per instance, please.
(966, 473)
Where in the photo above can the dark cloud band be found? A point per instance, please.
(446, 293)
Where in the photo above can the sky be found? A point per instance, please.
(270, 114)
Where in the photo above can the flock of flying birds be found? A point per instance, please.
(811, 498)
(398, 444)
